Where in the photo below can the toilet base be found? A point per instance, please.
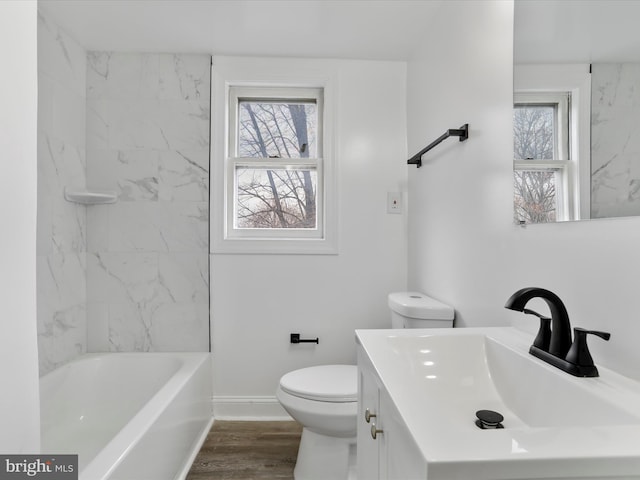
(321, 457)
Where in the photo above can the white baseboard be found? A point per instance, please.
(248, 408)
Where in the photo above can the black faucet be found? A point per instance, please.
(553, 342)
(560, 338)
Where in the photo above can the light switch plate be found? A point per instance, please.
(394, 202)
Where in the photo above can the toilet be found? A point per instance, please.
(324, 399)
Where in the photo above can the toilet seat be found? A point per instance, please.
(324, 383)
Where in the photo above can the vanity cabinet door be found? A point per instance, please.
(400, 458)
(392, 454)
(368, 453)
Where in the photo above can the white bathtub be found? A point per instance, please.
(128, 416)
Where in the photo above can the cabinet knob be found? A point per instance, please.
(375, 431)
(368, 415)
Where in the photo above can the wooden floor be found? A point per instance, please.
(248, 451)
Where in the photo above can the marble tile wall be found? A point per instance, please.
(147, 254)
(62, 227)
(615, 140)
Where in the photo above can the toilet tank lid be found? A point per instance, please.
(419, 305)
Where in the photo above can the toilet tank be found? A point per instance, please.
(417, 310)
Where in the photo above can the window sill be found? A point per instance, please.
(242, 246)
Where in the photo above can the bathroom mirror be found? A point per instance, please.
(576, 110)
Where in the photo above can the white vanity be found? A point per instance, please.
(419, 391)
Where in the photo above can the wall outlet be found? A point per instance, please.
(394, 202)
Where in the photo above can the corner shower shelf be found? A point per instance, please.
(92, 196)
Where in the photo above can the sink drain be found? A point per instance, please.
(489, 420)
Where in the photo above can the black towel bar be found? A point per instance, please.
(462, 132)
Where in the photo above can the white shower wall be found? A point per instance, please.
(615, 140)
(147, 260)
(130, 276)
(61, 229)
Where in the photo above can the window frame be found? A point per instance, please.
(562, 164)
(259, 79)
(574, 78)
(238, 93)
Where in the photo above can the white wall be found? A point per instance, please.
(463, 248)
(19, 406)
(257, 300)
(460, 215)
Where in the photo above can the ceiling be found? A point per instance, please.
(365, 29)
(576, 31)
(546, 31)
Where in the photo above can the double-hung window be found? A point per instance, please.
(273, 174)
(544, 177)
(274, 171)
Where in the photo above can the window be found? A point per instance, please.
(544, 185)
(275, 164)
(273, 175)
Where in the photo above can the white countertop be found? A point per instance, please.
(556, 425)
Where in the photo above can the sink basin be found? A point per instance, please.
(542, 396)
(475, 370)
(555, 425)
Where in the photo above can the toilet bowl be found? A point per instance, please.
(323, 399)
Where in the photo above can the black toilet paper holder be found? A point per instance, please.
(295, 338)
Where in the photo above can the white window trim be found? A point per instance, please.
(270, 72)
